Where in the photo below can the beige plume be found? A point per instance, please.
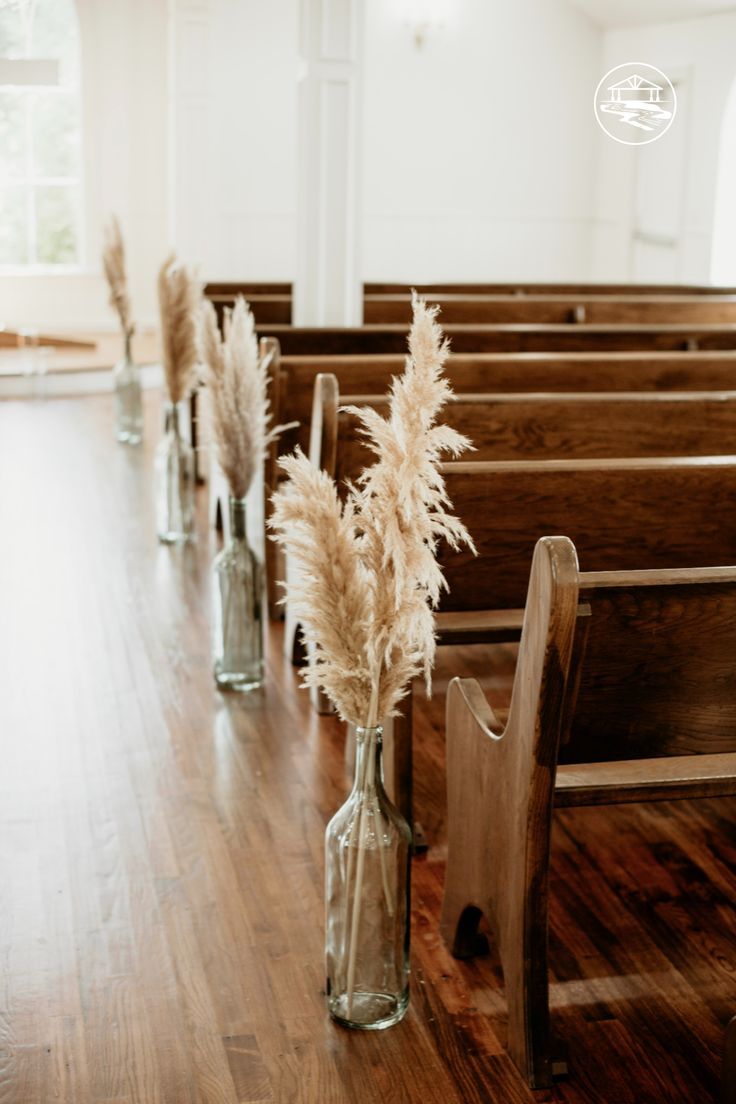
(113, 263)
(238, 381)
(368, 577)
(178, 295)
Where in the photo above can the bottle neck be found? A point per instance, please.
(127, 344)
(368, 760)
(238, 530)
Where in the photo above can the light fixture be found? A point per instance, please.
(424, 17)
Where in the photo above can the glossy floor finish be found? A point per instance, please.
(161, 849)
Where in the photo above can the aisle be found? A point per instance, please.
(161, 848)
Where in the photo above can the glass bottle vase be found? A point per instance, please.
(367, 890)
(128, 403)
(238, 621)
(174, 479)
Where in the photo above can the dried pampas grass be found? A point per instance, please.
(178, 296)
(368, 577)
(113, 263)
(238, 381)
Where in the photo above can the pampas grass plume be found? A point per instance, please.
(368, 576)
(113, 263)
(178, 295)
(238, 382)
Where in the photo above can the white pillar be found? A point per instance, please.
(327, 289)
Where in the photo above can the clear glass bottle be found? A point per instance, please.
(367, 890)
(128, 403)
(174, 478)
(238, 622)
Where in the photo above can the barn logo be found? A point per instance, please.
(635, 103)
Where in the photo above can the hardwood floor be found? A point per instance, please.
(161, 849)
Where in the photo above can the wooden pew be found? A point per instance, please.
(268, 308)
(728, 1073)
(502, 372)
(292, 389)
(538, 426)
(624, 691)
(574, 441)
(523, 288)
(266, 287)
(521, 337)
(627, 514)
(247, 288)
(655, 514)
(22, 339)
(608, 309)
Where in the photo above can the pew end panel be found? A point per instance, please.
(639, 705)
(498, 863)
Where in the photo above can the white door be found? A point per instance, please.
(659, 199)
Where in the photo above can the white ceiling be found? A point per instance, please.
(630, 13)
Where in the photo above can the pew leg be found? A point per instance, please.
(276, 572)
(320, 702)
(728, 1075)
(294, 649)
(489, 874)
(522, 944)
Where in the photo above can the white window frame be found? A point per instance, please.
(27, 69)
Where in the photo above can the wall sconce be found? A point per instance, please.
(424, 17)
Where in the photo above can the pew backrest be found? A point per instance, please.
(502, 372)
(540, 426)
(522, 288)
(653, 666)
(521, 337)
(621, 515)
(608, 309)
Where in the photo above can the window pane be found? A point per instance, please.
(12, 33)
(13, 226)
(12, 136)
(56, 225)
(54, 34)
(55, 134)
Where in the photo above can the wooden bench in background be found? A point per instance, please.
(292, 379)
(521, 337)
(523, 288)
(608, 309)
(627, 514)
(268, 307)
(502, 372)
(625, 690)
(508, 432)
(292, 388)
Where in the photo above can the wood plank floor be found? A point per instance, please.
(161, 849)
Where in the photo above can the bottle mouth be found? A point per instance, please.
(363, 732)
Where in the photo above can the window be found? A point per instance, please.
(40, 130)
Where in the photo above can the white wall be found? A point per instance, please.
(703, 51)
(480, 146)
